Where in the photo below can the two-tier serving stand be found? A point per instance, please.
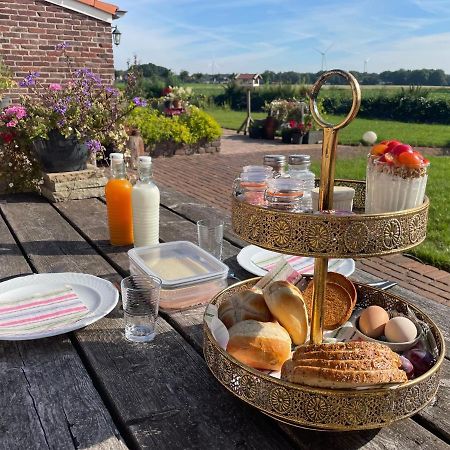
(325, 236)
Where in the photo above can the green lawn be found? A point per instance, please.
(231, 119)
(436, 248)
(415, 134)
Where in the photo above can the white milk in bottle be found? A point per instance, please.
(145, 203)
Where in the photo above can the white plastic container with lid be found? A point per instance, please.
(189, 275)
(342, 198)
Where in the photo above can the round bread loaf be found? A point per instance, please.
(261, 345)
(286, 304)
(338, 305)
(245, 305)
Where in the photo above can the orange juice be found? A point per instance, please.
(118, 201)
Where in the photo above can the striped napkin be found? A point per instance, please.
(305, 265)
(41, 312)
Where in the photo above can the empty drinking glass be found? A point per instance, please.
(210, 236)
(140, 297)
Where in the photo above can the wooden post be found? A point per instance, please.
(248, 120)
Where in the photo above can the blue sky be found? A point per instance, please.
(255, 35)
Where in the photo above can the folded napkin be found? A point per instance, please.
(302, 264)
(41, 312)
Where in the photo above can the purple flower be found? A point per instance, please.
(61, 106)
(62, 46)
(139, 101)
(29, 80)
(94, 146)
(54, 86)
(113, 91)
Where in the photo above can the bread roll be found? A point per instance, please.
(286, 304)
(261, 345)
(245, 305)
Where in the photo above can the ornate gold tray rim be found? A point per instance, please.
(405, 229)
(321, 391)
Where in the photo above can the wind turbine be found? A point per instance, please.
(365, 64)
(214, 66)
(324, 56)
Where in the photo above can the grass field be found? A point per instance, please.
(422, 135)
(436, 248)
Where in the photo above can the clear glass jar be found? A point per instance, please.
(278, 163)
(284, 194)
(299, 170)
(250, 187)
(266, 169)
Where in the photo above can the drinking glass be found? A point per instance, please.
(210, 236)
(140, 297)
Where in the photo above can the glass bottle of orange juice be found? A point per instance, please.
(118, 202)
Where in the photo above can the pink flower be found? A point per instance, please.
(11, 123)
(54, 86)
(17, 110)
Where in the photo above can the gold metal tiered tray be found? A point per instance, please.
(334, 236)
(324, 236)
(327, 409)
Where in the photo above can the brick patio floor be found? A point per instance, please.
(209, 178)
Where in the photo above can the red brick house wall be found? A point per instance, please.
(30, 30)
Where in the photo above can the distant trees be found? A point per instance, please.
(402, 77)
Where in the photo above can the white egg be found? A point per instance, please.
(369, 137)
(400, 329)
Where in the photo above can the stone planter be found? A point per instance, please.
(60, 154)
(313, 137)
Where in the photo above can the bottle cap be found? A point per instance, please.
(274, 158)
(116, 156)
(299, 159)
(145, 161)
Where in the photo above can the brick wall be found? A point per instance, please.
(30, 29)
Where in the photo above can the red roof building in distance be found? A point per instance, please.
(248, 79)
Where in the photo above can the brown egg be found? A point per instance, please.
(372, 321)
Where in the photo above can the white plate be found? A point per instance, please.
(99, 295)
(247, 254)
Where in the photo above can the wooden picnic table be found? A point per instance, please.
(93, 389)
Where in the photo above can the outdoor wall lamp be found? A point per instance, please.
(116, 34)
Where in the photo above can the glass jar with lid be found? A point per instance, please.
(250, 186)
(284, 194)
(299, 170)
(278, 164)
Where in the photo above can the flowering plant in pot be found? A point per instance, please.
(61, 123)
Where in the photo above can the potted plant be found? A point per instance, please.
(63, 123)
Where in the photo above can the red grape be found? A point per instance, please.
(421, 360)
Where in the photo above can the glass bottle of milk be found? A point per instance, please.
(145, 203)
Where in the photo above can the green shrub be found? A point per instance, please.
(200, 125)
(190, 128)
(406, 106)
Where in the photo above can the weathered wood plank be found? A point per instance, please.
(47, 398)
(143, 383)
(189, 324)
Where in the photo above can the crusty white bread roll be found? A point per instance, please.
(286, 304)
(244, 305)
(261, 345)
